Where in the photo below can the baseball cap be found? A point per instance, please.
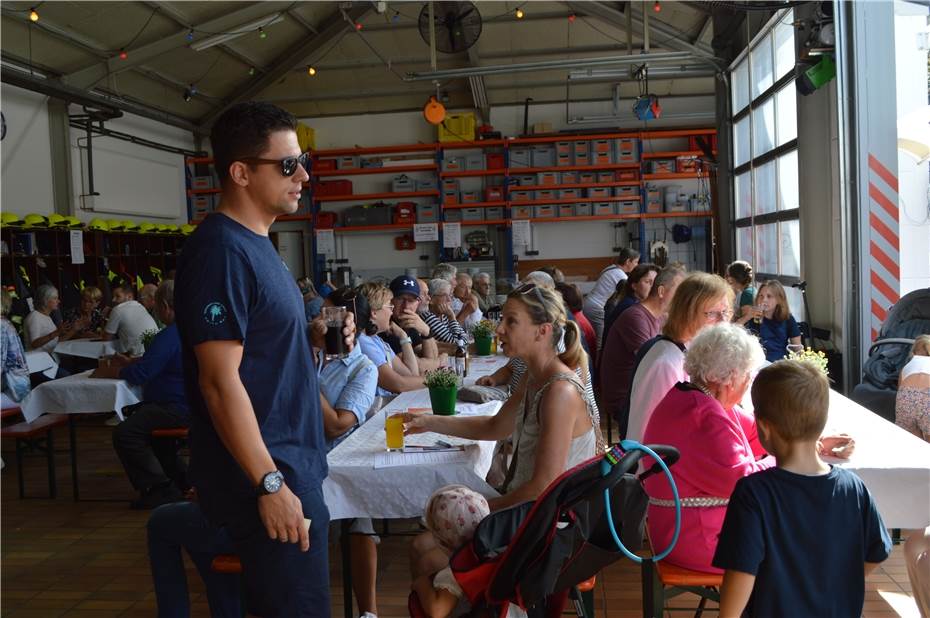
(405, 285)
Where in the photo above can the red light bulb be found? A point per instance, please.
(122, 54)
(656, 7)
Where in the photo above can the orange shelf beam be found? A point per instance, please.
(465, 174)
(475, 205)
(489, 222)
(672, 154)
(572, 138)
(583, 185)
(364, 197)
(376, 170)
(574, 200)
(203, 191)
(682, 176)
(588, 218)
(516, 171)
(341, 152)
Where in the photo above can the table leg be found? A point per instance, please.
(72, 433)
(346, 546)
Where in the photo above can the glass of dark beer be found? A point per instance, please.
(335, 318)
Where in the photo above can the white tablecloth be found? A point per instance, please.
(43, 362)
(355, 488)
(79, 394)
(86, 348)
(893, 463)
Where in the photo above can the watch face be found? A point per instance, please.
(273, 482)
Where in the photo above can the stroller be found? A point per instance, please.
(909, 318)
(534, 555)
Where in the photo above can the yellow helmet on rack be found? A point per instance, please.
(34, 220)
(114, 225)
(72, 221)
(146, 227)
(187, 229)
(162, 228)
(172, 228)
(10, 218)
(56, 220)
(98, 224)
(129, 225)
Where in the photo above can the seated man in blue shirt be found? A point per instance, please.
(152, 465)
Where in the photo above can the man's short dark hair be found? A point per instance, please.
(242, 132)
(571, 296)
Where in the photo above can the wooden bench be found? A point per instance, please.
(8, 413)
(226, 563)
(667, 580)
(177, 433)
(33, 435)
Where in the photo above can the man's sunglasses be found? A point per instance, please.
(288, 165)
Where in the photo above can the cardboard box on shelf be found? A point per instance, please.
(541, 128)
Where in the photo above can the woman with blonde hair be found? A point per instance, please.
(776, 327)
(700, 300)
(552, 424)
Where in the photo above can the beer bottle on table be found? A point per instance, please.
(461, 361)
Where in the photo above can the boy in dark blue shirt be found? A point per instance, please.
(797, 539)
(258, 450)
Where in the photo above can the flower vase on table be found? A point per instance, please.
(483, 333)
(443, 385)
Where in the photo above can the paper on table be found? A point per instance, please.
(393, 459)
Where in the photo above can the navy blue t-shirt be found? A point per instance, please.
(232, 285)
(774, 336)
(805, 538)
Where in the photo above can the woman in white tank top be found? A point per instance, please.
(912, 404)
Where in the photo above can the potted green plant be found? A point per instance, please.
(443, 385)
(483, 332)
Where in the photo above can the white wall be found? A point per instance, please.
(913, 183)
(25, 153)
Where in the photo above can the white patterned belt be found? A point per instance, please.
(697, 501)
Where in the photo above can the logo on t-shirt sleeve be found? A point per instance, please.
(214, 314)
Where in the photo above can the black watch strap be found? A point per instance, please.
(271, 483)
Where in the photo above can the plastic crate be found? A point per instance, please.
(329, 188)
(521, 196)
(348, 163)
(600, 145)
(450, 184)
(581, 148)
(470, 197)
(603, 208)
(519, 157)
(474, 162)
(201, 182)
(547, 194)
(563, 160)
(626, 175)
(606, 176)
(428, 184)
(543, 156)
(427, 213)
(450, 197)
(521, 212)
(583, 210)
(547, 178)
(627, 156)
(403, 183)
(628, 207)
(457, 128)
(563, 148)
(569, 178)
(686, 165)
(545, 212)
(495, 212)
(453, 164)
(565, 194)
(586, 178)
(566, 210)
(626, 191)
(598, 192)
(201, 206)
(601, 158)
(324, 165)
(493, 194)
(367, 215)
(662, 166)
(525, 180)
(452, 216)
(653, 206)
(472, 214)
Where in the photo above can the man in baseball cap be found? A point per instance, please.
(406, 292)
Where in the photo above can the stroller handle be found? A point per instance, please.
(668, 453)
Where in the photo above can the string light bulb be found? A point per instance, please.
(190, 35)
(571, 18)
(251, 70)
(396, 17)
(657, 7)
(311, 70)
(358, 25)
(123, 55)
(518, 13)
(262, 34)
(33, 14)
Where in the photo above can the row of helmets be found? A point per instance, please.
(109, 225)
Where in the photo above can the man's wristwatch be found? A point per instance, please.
(271, 484)
(405, 341)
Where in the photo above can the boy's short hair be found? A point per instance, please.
(792, 396)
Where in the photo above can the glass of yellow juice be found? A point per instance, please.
(394, 430)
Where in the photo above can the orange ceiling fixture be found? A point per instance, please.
(434, 111)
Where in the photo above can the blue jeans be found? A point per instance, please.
(279, 579)
(182, 524)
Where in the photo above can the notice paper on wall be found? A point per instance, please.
(451, 235)
(426, 232)
(77, 247)
(521, 232)
(325, 242)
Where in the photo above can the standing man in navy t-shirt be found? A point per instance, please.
(258, 450)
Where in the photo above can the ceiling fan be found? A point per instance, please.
(458, 25)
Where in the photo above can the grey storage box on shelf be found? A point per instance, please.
(606, 177)
(450, 196)
(403, 184)
(626, 150)
(566, 210)
(525, 180)
(450, 184)
(519, 157)
(629, 191)
(543, 156)
(427, 184)
(597, 192)
(547, 194)
(453, 216)
(604, 208)
(547, 178)
(348, 163)
(201, 182)
(569, 178)
(470, 197)
(201, 206)
(494, 213)
(563, 160)
(583, 210)
(586, 178)
(472, 214)
(545, 212)
(521, 212)
(565, 194)
(628, 207)
(582, 158)
(427, 213)
(522, 196)
(453, 164)
(379, 214)
(564, 148)
(474, 162)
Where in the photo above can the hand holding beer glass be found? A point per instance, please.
(335, 318)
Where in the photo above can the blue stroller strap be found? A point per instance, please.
(610, 459)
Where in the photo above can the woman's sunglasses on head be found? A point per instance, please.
(288, 164)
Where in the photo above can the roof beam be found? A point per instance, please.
(671, 37)
(332, 27)
(89, 76)
(302, 21)
(700, 36)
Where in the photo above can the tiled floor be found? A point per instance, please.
(88, 559)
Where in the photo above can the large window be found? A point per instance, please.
(765, 152)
